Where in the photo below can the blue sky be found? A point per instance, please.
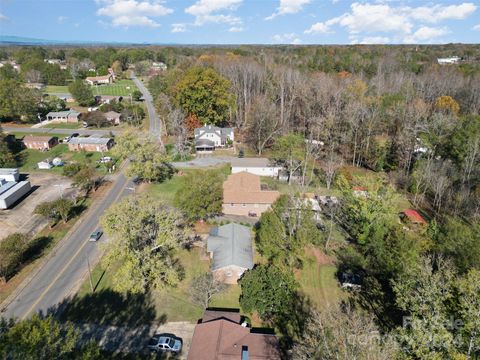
(244, 21)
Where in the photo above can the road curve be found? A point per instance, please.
(155, 121)
(60, 276)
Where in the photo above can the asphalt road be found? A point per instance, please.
(155, 122)
(62, 274)
(29, 130)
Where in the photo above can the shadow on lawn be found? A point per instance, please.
(109, 308)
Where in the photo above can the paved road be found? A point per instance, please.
(155, 121)
(203, 162)
(29, 130)
(61, 274)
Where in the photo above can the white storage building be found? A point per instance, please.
(257, 166)
(11, 191)
(9, 174)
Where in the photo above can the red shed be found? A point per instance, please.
(414, 217)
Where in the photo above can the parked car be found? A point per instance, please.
(105, 159)
(74, 135)
(96, 235)
(165, 343)
(66, 139)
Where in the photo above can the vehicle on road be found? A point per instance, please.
(74, 135)
(165, 343)
(96, 235)
(66, 139)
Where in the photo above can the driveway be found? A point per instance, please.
(203, 162)
(135, 340)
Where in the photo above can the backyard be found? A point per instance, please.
(119, 88)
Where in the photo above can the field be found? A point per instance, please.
(63, 126)
(119, 88)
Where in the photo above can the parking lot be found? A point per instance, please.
(20, 218)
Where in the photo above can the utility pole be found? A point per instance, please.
(89, 274)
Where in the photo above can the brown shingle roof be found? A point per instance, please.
(223, 340)
(244, 188)
(32, 138)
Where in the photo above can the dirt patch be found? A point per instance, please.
(201, 227)
(320, 256)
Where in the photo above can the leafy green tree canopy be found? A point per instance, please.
(81, 92)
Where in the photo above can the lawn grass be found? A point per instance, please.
(56, 89)
(319, 283)
(62, 126)
(119, 88)
(165, 191)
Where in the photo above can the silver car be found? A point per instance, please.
(165, 343)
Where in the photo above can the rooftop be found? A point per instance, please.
(65, 113)
(244, 188)
(10, 187)
(8, 171)
(90, 140)
(414, 216)
(34, 138)
(103, 77)
(250, 162)
(231, 244)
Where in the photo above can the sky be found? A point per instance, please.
(244, 21)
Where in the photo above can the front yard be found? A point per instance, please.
(118, 88)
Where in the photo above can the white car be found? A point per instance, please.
(105, 159)
(165, 343)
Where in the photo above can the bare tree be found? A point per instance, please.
(263, 124)
(33, 76)
(204, 287)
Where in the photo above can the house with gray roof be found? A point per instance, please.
(63, 116)
(230, 247)
(209, 137)
(90, 144)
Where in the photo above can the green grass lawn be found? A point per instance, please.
(56, 89)
(63, 126)
(319, 283)
(165, 191)
(119, 88)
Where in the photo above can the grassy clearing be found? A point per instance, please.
(63, 126)
(165, 191)
(56, 89)
(119, 88)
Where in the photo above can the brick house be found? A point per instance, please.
(113, 117)
(100, 80)
(221, 335)
(90, 144)
(230, 247)
(242, 195)
(40, 142)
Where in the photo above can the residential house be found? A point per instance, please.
(67, 116)
(90, 144)
(242, 195)
(230, 247)
(449, 60)
(413, 217)
(221, 335)
(99, 80)
(40, 142)
(113, 117)
(257, 166)
(107, 99)
(209, 137)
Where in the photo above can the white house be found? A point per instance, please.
(209, 137)
(449, 60)
(257, 166)
(100, 80)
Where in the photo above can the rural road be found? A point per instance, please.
(61, 275)
(28, 130)
(155, 121)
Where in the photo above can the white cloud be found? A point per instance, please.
(132, 12)
(425, 34)
(318, 28)
(401, 23)
(290, 38)
(236, 29)
(288, 7)
(213, 11)
(3, 18)
(375, 40)
(61, 19)
(476, 27)
(179, 28)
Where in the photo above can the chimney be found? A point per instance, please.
(244, 352)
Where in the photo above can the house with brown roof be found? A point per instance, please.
(113, 117)
(413, 217)
(242, 195)
(99, 80)
(220, 335)
(40, 142)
